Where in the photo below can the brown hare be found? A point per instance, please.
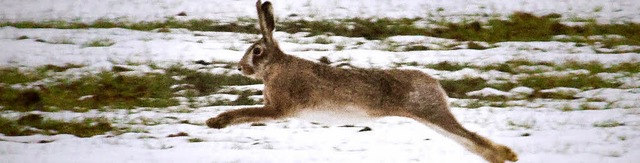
(296, 87)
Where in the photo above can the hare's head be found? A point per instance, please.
(265, 50)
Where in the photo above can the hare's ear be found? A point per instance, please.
(266, 20)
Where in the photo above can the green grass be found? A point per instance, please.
(109, 89)
(448, 66)
(416, 48)
(322, 40)
(476, 46)
(580, 81)
(195, 25)
(596, 67)
(56, 68)
(459, 88)
(554, 95)
(82, 128)
(23, 37)
(355, 27)
(593, 67)
(62, 40)
(207, 83)
(517, 27)
(534, 79)
(507, 67)
(15, 76)
(244, 99)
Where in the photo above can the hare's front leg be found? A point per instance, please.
(245, 115)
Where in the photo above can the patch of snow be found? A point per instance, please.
(626, 48)
(623, 98)
(605, 37)
(486, 92)
(562, 90)
(466, 73)
(566, 73)
(426, 41)
(609, 76)
(521, 92)
(254, 87)
(630, 82)
(536, 68)
(495, 75)
(82, 98)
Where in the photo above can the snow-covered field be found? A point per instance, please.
(539, 130)
(605, 11)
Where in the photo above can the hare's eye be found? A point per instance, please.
(256, 51)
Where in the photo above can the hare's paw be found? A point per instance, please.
(219, 121)
(510, 155)
(505, 153)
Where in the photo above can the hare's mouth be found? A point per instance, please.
(252, 75)
(248, 71)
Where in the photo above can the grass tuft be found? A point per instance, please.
(607, 124)
(476, 46)
(56, 68)
(23, 37)
(195, 140)
(99, 43)
(322, 40)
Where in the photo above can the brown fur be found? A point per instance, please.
(294, 85)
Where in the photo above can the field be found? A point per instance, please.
(134, 81)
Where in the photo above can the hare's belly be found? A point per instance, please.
(335, 115)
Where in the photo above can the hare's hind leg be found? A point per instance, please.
(441, 120)
(245, 115)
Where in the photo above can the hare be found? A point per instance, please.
(296, 87)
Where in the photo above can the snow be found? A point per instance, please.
(522, 90)
(561, 90)
(255, 87)
(621, 98)
(517, 92)
(539, 130)
(230, 11)
(488, 92)
(159, 48)
(392, 139)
